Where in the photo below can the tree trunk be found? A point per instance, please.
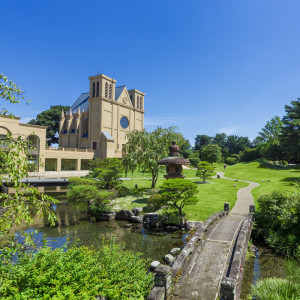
(154, 179)
(180, 215)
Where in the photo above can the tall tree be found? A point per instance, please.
(26, 201)
(50, 118)
(144, 149)
(211, 153)
(201, 141)
(220, 139)
(235, 144)
(290, 135)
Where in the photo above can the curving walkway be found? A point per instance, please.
(201, 277)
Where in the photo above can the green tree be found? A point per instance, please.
(108, 170)
(235, 144)
(220, 139)
(205, 170)
(50, 118)
(211, 153)
(26, 201)
(176, 194)
(144, 149)
(290, 135)
(201, 141)
(271, 132)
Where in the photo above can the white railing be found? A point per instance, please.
(63, 149)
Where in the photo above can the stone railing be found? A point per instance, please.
(232, 281)
(63, 149)
(164, 275)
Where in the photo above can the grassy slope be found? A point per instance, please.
(211, 196)
(279, 177)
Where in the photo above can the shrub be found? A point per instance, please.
(194, 161)
(122, 191)
(153, 203)
(278, 221)
(81, 181)
(99, 209)
(170, 217)
(276, 288)
(231, 161)
(77, 273)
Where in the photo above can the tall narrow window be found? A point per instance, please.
(97, 91)
(138, 102)
(93, 89)
(106, 90)
(110, 91)
(141, 103)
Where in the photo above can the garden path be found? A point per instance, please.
(201, 278)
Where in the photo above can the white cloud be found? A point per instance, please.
(230, 128)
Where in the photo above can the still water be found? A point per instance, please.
(74, 223)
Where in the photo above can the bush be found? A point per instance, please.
(153, 203)
(170, 217)
(77, 273)
(81, 181)
(122, 191)
(99, 209)
(194, 161)
(278, 221)
(250, 154)
(231, 161)
(276, 288)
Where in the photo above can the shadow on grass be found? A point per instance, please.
(140, 201)
(291, 180)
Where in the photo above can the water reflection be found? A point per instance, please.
(74, 223)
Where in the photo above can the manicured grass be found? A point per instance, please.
(211, 196)
(269, 177)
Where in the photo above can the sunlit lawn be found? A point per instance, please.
(269, 177)
(211, 196)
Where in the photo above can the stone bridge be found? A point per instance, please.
(211, 264)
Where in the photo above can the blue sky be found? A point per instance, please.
(205, 66)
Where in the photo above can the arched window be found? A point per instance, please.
(110, 91)
(97, 91)
(3, 135)
(93, 89)
(106, 90)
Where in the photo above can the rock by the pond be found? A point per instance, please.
(128, 225)
(193, 224)
(137, 210)
(154, 265)
(150, 218)
(175, 251)
(169, 258)
(172, 228)
(124, 214)
(136, 219)
(106, 217)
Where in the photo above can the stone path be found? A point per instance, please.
(200, 279)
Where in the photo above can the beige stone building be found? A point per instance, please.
(95, 126)
(100, 119)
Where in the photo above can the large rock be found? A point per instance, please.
(169, 259)
(150, 218)
(106, 217)
(124, 214)
(137, 210)
(154, 265)
(193, 224)
(136, 219)
(175, 251)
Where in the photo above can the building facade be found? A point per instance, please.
(95, 126)
(100, 119)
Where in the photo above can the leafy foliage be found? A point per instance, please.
(278, 221)
(144, 149)
(194, 161)
(205, 170)
(50, 118)
(290, 135)
(231, 161)
(108, 170)
(211, 153)
(77, 273)
(276, 288)
(26, 201)
(176, 194)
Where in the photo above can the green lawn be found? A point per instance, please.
(279, 177)
(211, 196)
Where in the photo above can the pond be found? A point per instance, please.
(265, 264)
(73, 223)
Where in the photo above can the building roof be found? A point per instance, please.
(81, 102)
(119, 90)
(107, 135)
